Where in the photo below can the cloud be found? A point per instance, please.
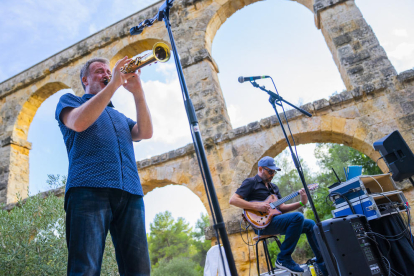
(402, 51)
(168, 70)
(60, 16)
(92, 29)
(166, 106)
(235, 114)
(400, 32)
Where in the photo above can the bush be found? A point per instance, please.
(33, 239)
(177, 267)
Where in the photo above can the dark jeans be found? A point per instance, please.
(292, 225)
(90, 213)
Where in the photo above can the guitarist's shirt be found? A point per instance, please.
(254, 189)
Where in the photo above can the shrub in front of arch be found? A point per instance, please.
(33, 239)
(177, 267)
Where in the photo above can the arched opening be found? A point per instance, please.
(304, 139)
(31, 106)
(164, 99)
(20, 160)
(170, 198)
(283, 43)
(175, 222)
(48, 155)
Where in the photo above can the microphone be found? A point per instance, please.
(137, 29)
(243, 79)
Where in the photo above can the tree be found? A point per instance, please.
(179, 266)
(199, 242)
(288, 179)
(54, 181)
(168, 238)
(338, 157)
(33, 240)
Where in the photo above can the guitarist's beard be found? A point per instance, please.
(266, 180)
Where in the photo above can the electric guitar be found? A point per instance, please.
(261, 220)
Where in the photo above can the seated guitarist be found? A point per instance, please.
(292, 225)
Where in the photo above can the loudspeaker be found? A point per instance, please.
(353, 252)
(397, 155)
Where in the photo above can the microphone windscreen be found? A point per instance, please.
(135, 30)
(241, 79)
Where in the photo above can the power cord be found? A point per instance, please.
(247, 243)
(344, 197)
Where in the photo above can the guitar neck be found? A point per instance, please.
(286, 198)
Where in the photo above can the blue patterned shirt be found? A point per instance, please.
(102, 155)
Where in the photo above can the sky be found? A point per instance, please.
(275, 38)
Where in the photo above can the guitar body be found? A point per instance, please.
(261, 220)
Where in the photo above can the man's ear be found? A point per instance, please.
(85, 81)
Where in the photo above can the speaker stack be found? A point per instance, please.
(368, 235)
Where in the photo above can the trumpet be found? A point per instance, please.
(160, 52)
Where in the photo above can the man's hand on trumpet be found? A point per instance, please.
(119, 78)
(133, 83)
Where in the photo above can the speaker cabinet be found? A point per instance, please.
(397, 155)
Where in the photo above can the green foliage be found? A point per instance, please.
(54, 181)
(174, 248)
(179, 266)
(338, 157)
(33, 239)
(200, 244)
(323, 207)
(288, 179)
(302, 252)
(168, 238)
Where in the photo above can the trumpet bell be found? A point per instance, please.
(160, 53)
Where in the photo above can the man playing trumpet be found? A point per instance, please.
(103, 189)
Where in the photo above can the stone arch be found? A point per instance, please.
(226, 10)
(158, 177)
(15, 147)
(324, 128)
(305, 138)
(31, 105)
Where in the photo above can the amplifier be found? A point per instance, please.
(373, 206)
(353, 253)
(362, 185)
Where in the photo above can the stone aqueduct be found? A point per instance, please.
(377, 101)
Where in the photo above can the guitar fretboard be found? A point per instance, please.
(286, 198)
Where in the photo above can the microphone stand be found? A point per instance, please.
(219, 226)
(275, 99)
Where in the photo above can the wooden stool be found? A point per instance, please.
(264, 239)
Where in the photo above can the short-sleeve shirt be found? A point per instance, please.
(101, 156)
(254, 189)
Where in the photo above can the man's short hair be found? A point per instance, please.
(84, 72)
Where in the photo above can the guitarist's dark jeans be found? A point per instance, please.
(292, 225)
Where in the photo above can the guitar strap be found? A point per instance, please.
(271, 188)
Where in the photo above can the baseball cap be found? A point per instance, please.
(268, 162)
